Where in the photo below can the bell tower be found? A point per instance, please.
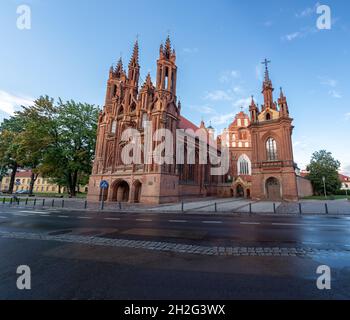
(273, 167)
(166, 68)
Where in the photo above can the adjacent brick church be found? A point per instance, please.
(260, 145)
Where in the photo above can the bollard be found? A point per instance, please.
(34, 202)
(215, 206)
(26, 202)
(62, 203)
(250, 208)
(3, 201)
(43, 202)
(274, 207)
(53, 203)
(182, 206)
(11, 201)
(103, 204)
(326, 207)
(85, 204)
(300, 209)
(120, 205)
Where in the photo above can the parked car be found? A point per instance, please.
(22, 192)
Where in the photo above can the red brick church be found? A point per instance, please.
(260, 144)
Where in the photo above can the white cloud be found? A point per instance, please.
(9, 103)
(302, 33)
(219, 95)
(307, 11)
(222, 119)
(268, 23)
(332, 84)
(329, 82)
(204, 109)
(291, 36)
(244, 102)
(346, 169)
(190, 50)
(335, 94)
(228, 76)
(347, 116)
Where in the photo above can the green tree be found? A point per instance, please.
(37, 135)
(69, 158)
(9, 132)
(324, 165)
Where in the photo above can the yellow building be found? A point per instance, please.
(41, 185)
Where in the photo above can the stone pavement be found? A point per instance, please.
(176, 247)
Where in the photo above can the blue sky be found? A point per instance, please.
(220, 45)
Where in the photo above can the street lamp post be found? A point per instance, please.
(324, 186)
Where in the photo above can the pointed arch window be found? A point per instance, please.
(271, 149)
(114, 127)
(244, 165)
(144, 120)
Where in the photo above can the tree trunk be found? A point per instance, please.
(74, 183)
(33, 178)
(13, 177)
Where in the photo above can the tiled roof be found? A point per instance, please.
(187, 124)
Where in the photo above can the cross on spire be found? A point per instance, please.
(266, 63)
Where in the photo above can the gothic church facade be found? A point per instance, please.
(260, 144)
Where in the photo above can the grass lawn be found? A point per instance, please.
(328, 198)
(41, 195)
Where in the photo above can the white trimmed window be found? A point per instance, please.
(244, 165)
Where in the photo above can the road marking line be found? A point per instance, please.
(144, 220)
(309, 225)
(177, 221)
(112, 219)
(214, 222)
(84, 217)
(1, 217)
(250, 223)
(62, 216)
(42, 212)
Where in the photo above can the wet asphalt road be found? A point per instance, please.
(79, 271)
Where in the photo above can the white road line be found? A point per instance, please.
(250, 223)
(62, 216)
(1, 217)
(84, 217)
(144, 220)
(214, 222)
(310, 225)
(177, 221)
(42, 212)
(112, 219)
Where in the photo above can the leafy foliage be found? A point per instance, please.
(56, 141)
(324, 165)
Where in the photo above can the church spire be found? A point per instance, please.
(119, 68)
(134, 67)
(267, 87)
(135, 55)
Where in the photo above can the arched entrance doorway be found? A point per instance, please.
(273, 189)
(121, 192)
(239, 191)
(137, 191)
